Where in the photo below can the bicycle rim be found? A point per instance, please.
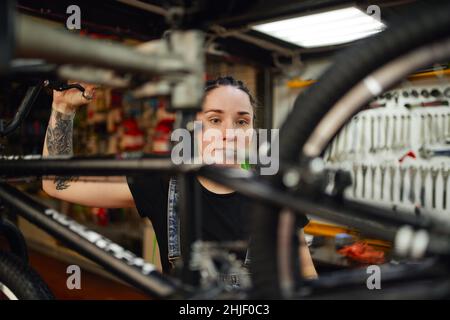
(5, 292)
(321, 111)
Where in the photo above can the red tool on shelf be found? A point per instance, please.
(363, 253)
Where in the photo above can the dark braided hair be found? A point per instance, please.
(230, 81)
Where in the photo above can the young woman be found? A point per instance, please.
(227, 104)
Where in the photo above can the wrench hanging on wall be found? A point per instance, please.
(412, 190)
(445, 175)
(434, 175)
(423, 175)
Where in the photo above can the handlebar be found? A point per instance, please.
(28, 101)
(23, 110)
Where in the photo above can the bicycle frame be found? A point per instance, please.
(178, 66)
(99, 249)
(125, 264)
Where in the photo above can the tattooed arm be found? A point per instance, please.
(113, 193)
(59, 142)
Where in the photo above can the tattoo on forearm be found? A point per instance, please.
(59, 142)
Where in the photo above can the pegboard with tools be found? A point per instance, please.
(398, 151)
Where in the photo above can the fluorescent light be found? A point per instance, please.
(326, 28)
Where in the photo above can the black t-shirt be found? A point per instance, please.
(225, 216)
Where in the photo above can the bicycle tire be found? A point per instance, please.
(21, 280)
(15, 239)
(349, 67)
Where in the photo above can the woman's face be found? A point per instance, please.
(225, 107)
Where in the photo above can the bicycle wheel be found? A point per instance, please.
(356, 76)
(19, 282)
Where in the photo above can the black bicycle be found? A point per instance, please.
(303, 184)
